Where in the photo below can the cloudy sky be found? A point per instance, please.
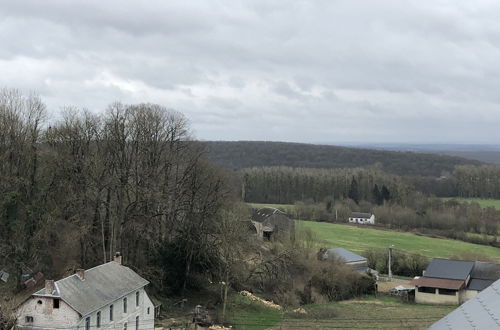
(308, 71)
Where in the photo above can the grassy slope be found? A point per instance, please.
(359, 239)
(482, 202)
(249, 315)
(368, 312)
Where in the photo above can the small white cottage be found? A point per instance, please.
(109, 296)
(363, 218)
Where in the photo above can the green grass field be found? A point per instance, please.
(359, 239)
(482, 202)
(249, 315)
(368, 312)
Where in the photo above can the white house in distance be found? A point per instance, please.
(363, 218)
(109, 296)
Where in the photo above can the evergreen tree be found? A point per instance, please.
(353, 191)
(386, 194)
(377, 195)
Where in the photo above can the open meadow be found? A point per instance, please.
(359, 239)
(362, 313)
(482, 202)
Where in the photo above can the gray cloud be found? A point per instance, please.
(343, 70)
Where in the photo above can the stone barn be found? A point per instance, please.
(271, 223)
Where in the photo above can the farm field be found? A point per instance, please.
(482, 202)
(368, 312)
(359, 239)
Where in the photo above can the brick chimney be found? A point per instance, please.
(118, 258)
(49, 286)
(80, 273)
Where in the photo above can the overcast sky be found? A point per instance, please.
(307, 71)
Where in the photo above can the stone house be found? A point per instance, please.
(362, 218)
(269, 222)
(453, 282)
(109, 296)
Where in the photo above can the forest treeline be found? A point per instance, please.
(331, 194)
(285, 185)
(238, 155)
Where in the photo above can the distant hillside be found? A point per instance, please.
(243, 154)
(488, 153)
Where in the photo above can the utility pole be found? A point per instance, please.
(389, 263)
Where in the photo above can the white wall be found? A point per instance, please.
(370, 220)
(146, 321)
(45, 316)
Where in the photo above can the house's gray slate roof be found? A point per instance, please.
(449, 269)
(481, 312)
(361, 215)
(346, 255)
(479, 284)
(102, 285)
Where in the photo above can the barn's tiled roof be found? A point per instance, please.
(101, 286)
(432, 282)
(481, 312)
(262, 214)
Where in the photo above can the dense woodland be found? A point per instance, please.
(75, 191)
(245, 154)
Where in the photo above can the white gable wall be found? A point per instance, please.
(45, 316)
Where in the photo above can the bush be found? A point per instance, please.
(404, 264)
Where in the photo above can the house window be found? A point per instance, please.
(98, 322)
(125, 326)
(447, 292)
(426, 290)
(137, 299)
(137, 323)
(87, 323)
(124, 305)
(111, 313)
(148, 310)
(56, 303)
(29, 319)
(39, 302)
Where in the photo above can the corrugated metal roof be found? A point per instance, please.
(346, 255)
(449, 269)
(102, 285)
(442, 283)
(481, 312)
